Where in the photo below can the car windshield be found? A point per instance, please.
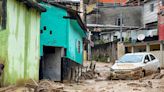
(130, 59)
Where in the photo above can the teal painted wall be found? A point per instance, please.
(54, 22)
(75, 34)
(66, 32)
(20, 43)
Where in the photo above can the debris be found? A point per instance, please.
(140, 80)
(150, 84)
(100, 79)
(137, 85)
(90, 81)
(135, 89)
(49, 86)
(157, 76)
(7, 88)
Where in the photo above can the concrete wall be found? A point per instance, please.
(156, 48)
(19, 48)
(132, 16)
(105, 52)
(120, 50)
(160, 56)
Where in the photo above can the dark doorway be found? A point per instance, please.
(50, 64)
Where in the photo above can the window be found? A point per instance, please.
(3, 14)
(162, 2)
(147, 58)
(118, 21)
(44, 27)
(41, 31)
(131, 59)
(151, 7)
(78, 47)
(152, 57)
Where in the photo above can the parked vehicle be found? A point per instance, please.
(135, 66)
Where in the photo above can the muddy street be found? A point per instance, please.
(101, 84)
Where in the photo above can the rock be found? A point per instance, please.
(135, 89)
(150, 84)
(90, 81)
(155, 75)
(160, 76)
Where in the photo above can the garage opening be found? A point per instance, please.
(155, 47)
(128, 49)
(50, 65)
(140, 48)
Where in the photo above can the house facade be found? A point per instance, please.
(152, 31)
(19, 38)
(150, 10)
(161, 20)
(62, 38)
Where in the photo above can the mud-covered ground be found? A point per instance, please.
(100, 84)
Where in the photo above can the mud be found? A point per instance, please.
(96, 84)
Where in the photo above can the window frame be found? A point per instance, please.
(151, 7)
(78, 46)
(151, 57)
(148, 58)
(4, 14)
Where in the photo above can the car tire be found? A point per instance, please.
(159, 70)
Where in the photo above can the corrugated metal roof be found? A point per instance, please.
(73, 13)
(113, 1)
(35, 5)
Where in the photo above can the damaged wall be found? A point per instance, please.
(132, 16)
(105, 52)
(19, 47)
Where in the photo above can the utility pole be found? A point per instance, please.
(82, 10)
(97, 8)
(121, 22)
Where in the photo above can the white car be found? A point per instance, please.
(134, 66)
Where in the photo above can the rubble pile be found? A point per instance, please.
(8, 89)
(87, 75)
(148, 84)
(42, 86)
(157, 76)
(46, 86)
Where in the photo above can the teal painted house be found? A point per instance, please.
(61, 42)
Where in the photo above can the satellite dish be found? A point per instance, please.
(141, 37)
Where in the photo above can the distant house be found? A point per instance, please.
(19, 40)
(107, 19)
(138, 19)
(113, 1)
(62, 37)
(150, 10)
(153, 31)
(161, 21)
